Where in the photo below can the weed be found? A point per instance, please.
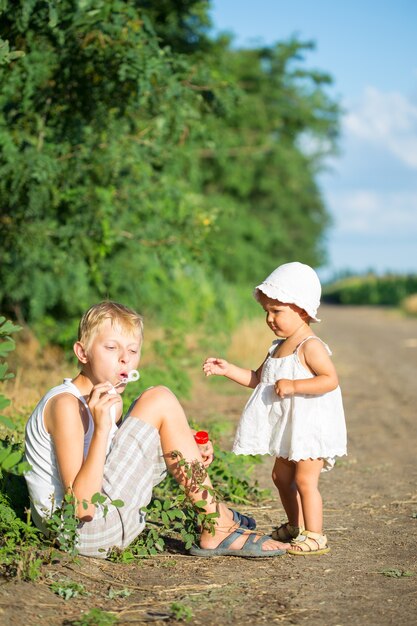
(96, 617)
(67, 589)
(168, 563)
(19, 544)
(396, 573)
(181, 612)
(63, 522)
(118, 593)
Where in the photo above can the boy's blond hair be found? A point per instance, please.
(130, 321)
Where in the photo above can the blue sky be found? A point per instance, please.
(370, 49)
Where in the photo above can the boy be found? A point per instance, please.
(73, 446)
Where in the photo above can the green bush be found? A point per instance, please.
(389, 290)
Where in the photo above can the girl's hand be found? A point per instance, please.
(100, 402)
(216, 366)
(284, 387)
(207, 453)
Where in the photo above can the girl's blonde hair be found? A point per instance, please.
(130, 321)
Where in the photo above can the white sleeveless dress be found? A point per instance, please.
(294, 428)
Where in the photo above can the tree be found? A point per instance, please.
(146, 161)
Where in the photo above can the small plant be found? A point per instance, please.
(67, 589)
(6, 345)
(118, 593)
(19, 544)
(96, 617)
(396, 573)
(63, 522)
(181, 612)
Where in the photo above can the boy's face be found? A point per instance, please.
(112, 354)
(283, 319)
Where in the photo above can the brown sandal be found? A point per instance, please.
(286, 532)
(309, 544)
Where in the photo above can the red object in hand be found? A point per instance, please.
(201, 437)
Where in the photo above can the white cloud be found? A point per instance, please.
(364, 211)
(388, 120)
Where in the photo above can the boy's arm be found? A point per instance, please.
(221, 367)
(315, 358)
(64, 423)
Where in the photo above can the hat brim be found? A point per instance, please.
(277, 293)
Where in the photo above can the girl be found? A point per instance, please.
(296, 412)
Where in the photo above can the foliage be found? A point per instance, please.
(6, 346)
(262, 174)
(170, 513)
(67, 589)
(19, 540)
(20, 544)
(371, 289)
(63, 522)
(181, 612)
(96, 617)
(396, 573)
(135, 149)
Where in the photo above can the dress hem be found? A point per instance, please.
(328, 455)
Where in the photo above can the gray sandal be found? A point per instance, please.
(250, 548)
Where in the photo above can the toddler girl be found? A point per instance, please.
(295, 412)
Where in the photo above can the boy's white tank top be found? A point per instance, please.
(45, 488)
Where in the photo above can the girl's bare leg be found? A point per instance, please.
(307, 474)
(159, 407)
(283, 475)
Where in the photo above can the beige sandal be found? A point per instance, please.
(286, 532)
(309, 544)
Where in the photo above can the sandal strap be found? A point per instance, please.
(286, 532)
(305, 539)
(226, 543)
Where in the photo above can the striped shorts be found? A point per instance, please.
(133, 467)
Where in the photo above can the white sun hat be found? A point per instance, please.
(293, 283)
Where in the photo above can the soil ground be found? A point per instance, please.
(370, 507)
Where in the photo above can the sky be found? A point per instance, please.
(369, 47)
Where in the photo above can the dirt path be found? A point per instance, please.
(370, 504)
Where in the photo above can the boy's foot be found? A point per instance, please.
(239, 542)
(308, 544)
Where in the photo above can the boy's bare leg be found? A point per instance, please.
(159, 407)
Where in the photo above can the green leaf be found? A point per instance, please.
(118, 503)
(11, 460)
(98, 498)
(3, 402)
(7, 422)
(200, 504)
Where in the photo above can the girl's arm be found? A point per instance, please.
(63, 421)
(221, 367)
(314, 356)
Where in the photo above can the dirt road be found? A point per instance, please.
(370, 506)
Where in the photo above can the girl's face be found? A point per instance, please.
(112, 354)
(283, 319)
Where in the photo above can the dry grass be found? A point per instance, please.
(250, 343)
(409, 304)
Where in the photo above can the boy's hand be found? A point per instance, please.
(100, 402)
(207, 453)
(216, 366)
(284, 387)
